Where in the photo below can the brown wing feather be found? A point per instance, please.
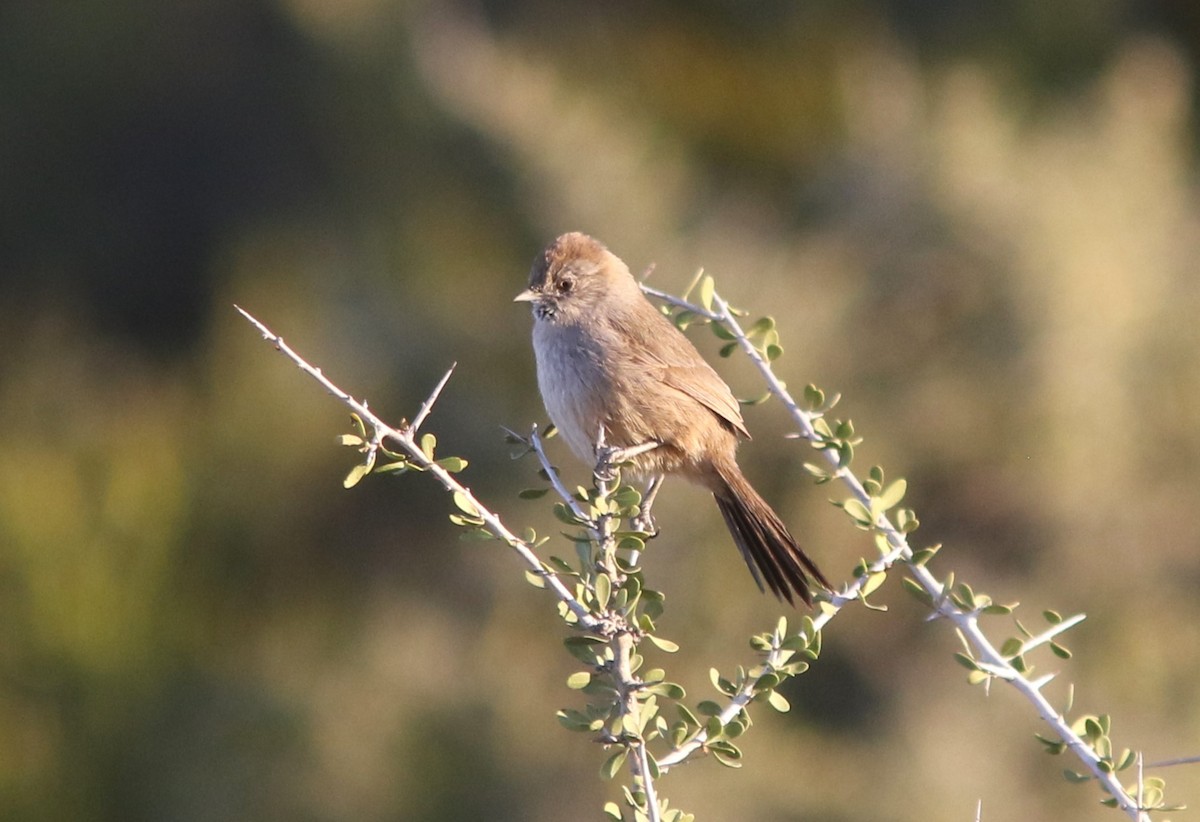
(679, 365)
(702, 384)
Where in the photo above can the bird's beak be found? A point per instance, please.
(527, 296)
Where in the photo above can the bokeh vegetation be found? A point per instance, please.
(978, 222)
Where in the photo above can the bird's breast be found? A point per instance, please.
(573, 382)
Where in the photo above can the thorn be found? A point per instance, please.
(427, 406)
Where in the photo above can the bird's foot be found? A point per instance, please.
(644, 523)
(609, 458)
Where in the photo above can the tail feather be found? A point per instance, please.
(768, 548)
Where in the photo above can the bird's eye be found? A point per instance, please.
(566, 284)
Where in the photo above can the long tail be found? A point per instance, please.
(768, 548)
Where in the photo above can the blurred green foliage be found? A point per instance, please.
(975, 221)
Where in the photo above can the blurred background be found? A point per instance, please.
(978, 222)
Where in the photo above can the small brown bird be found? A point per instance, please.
(607, 357)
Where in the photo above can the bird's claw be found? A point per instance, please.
(608, 457)
(607, 460)
(644, 523)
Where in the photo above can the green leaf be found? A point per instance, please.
(631, 589)
(892, 495)
(872, 487)
(561, 565)
(670, 690)
(1060, 651)
(734, 729)
(873, 582)
(665, 645)
(759, 400)
(612, 811)
(612, 765)
(721, 683)
(819, 474)
(533, 493)
(428, 444)
(795, 642)
(688, 717)
(565, 514)
(814, 397)
(397, 467)
(631, 543)
(813, 650)
(579, 680)
(464, 504)
(1053, 617)
(907, 522)
(356, 474)
(1092, 727)
(587, 649)
(574, 720)
(914, 588)
(925, 554)
(966, 661)
(845, 453)
(452, 464)
(535, 579)
(779, 702)
(654, 675)
(707, 288)
(603, 590)
(728, 349)
(683, 319)
(722, 332)
(781, 627)
(857, 511)
(726, 753)
(1054, 747)
(762, 325)
(964, 597)
(679, 732)
(626, 497)
(350, 440)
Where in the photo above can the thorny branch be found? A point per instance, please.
(988, 655)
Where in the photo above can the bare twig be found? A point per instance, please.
(1170, 763)
(427, 406)
(966, 621)
(404, 436)
(621, 637)
(538, 444)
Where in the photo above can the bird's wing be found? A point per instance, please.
(701, 383)
(677, 363)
